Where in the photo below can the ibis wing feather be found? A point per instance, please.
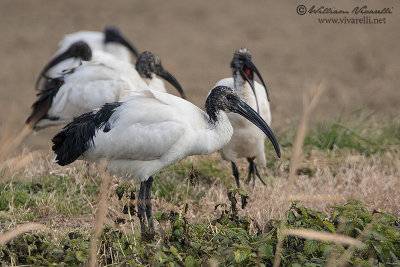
(75, 99)
(91, 85)
(145, 128)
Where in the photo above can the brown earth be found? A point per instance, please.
(359, 64)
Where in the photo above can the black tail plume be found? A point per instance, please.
(42, 105)
(77, 136)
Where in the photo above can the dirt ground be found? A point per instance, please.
(359, 64)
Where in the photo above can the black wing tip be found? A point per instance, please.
(44, 102)
(77, 137)
(58, 141)
(74, 139)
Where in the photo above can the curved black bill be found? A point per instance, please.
(61, 57)
(112, 34)
(251, 82)
(240, 107)
(254, 68)
(171, 79)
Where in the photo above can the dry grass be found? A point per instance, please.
(338, 176)
(373, 180)
(323, 236)
(341, 259)
(7, 236)
(9, 140)
(310, 100)
(100, 216)
(13, 166)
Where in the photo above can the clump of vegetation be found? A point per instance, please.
(57, 194)
(359, 136)
(230, 239)
(380, 233)
(40, 249)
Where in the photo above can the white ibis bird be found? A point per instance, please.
(94, 83)
(151, 130)
(247, 140)
(110, 41)
(70, 55)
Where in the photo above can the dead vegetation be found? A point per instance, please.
(319, 178)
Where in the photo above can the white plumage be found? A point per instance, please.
(103, 79)
(96, 41)
(91, 85)
(79, 46)
(73, 62)
(247, 140)
(150, 130)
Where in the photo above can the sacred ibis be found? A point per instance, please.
(247, 141)
(110, 41)
(93, 83)
(149, 131)
(70, 55)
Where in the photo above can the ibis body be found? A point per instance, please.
(247, 140)
(93, 83)
(150, 130)
(111, 41)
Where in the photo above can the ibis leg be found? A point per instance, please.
(258, 174)
(251, 170)
(142, 207)
(87, 168)
(235, 173)
(149, 211)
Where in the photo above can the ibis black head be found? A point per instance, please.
(243, 65)
(79, 49)
(112, 34)
(148, 64)
(222, 98)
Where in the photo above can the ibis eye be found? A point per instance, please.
(229, 96)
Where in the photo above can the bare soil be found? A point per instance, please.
(196, 39)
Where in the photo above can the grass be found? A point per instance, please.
(48, 194)
(358, 136)
(228, 240)
(342, 160)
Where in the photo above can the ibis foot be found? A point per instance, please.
(253, 172)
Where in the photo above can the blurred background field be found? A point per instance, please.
(196, 40)
(351, 150)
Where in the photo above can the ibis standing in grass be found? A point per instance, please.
(69, 55)
(247, 140)
(93, 83)
(149, 131)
